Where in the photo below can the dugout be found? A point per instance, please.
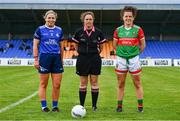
(159, 19)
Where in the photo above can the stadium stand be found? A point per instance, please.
(154, 49)
(162, 49)
(27, 15)
(18, 51)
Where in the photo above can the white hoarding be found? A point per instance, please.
(105, 62)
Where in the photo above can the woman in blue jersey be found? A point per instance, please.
(48, 55)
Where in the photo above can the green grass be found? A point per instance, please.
(161, 95)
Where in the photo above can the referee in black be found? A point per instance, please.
(89, 41)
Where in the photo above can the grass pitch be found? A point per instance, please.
(161, 95)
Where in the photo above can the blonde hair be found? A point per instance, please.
(86, 13)
(50, 12)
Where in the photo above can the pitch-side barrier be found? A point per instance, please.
(105, 62)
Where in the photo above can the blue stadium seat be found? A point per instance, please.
(15, 52)
(162, 49)
(154, 49)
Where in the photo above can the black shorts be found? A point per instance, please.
(50, 63)
(88, 64)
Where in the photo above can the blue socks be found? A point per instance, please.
(55, 104)
(43, 104)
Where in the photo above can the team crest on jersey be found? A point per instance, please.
(57, 35)
(134, 33)
(51, 34)
(99, 38)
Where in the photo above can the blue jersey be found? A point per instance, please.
(50, 39)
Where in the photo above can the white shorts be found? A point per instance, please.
(124, 65)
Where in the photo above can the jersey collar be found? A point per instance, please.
(49, 27)
(130, 27)
(85, 28)
(89, 33)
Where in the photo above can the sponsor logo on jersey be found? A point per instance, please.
(51, 42)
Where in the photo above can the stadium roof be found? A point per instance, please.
(90, 4)
(157, 17)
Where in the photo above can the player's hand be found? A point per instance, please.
(36, 64)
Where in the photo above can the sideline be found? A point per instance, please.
(18, 102)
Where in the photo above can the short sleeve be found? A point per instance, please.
(140, 33)
(115, 34)
(101, 38)
(61, 36)
(75, 37)
(37, 34)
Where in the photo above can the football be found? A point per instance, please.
(78, 111)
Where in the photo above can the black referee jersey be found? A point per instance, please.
(88, 41)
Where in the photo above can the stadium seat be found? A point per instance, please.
(154, 49)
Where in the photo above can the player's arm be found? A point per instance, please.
(75, 53)
(115, 40)
(142, 40)
(101, 41)
(114, 43)
(75, 38)
(62, 50)
(35, 52)
(100, 48)
(142, 44)
(76, 47)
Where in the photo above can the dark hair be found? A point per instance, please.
(86, 13)
(129, 9)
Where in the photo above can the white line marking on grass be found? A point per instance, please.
(18, 102)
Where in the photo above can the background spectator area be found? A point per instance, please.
(154, 49)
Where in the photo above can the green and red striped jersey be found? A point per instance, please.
(128, 41)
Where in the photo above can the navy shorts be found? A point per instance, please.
(88, 64)
(50, 63)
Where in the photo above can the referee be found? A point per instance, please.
(89, 40)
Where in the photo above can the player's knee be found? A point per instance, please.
(43, 85)
(83, 85)
(138, 86)
(56, 85)
(121, 85)
(94, 83)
